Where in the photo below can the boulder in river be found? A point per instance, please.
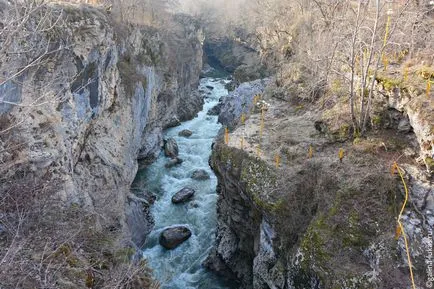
(215, 110)
(174, 162)
(184, 195)
(173, 122)
(171, 148)
(210, 87)
(185, 133)
(200, 175)
(172, 237)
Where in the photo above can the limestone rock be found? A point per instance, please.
(184, 195)
(200, 175)
(171, 148)
(172, 237)
(114, 94)
(404, 126)
(173, 122)
(239, 58)
(185, 133)
(239, 102)
(139, 219)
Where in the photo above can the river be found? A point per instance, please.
(181, 268)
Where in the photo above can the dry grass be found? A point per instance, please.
(41, 248)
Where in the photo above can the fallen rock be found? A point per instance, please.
(171, 148)
(409, 152)
(215, 110)
(200, 175)
(404, 126)
(139, 219)
(173, 122)
(174, 162)
(171, 238)
(185, 133)
(184, 195)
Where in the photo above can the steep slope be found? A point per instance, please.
(291, 215)
(73, 127)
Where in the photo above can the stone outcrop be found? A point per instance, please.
(200, 175)
(240, 101)
(417, 111)
(172, 237)
(313, 222)
(171, 148)
(235, 57)
(104, 102)
(139, 219)
(184, 195)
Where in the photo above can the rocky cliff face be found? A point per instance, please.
(291, 215)
(235, 57)
(83, 117)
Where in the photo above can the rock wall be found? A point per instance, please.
(90, 110)
(314, 222)
(235, 57)
(417, 115)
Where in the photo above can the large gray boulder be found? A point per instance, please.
(171, 148)
(172, 237)
(185, 133)
(404, 126)
(200, 175)
(184, 195)
(139, 218)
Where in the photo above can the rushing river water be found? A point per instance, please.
(181, 268)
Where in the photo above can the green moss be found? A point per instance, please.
(389, 83)
(357, 141)
(353, 235)
(344, 131)
(273, 207)
(313, 245)
(256, 176)
(299, 107)
(259, 179)
(336, 86)
(429, 163)
(335, 208)
(376, 120)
